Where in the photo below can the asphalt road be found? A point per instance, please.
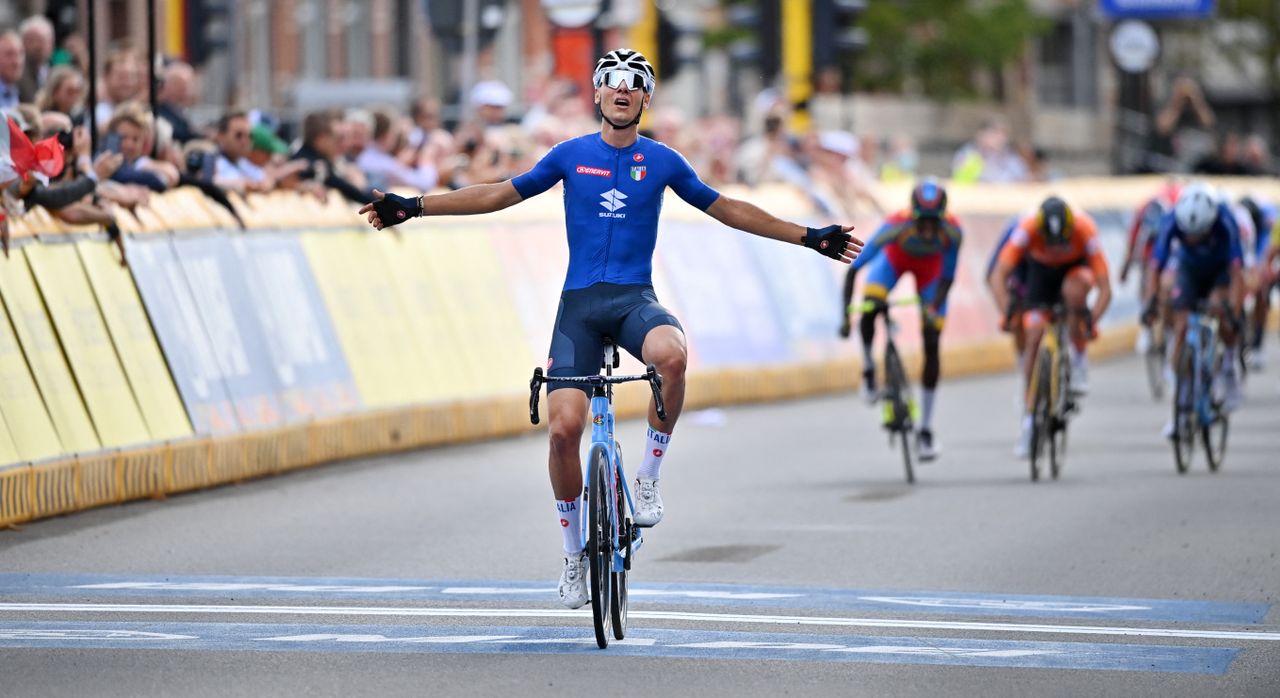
(794, 560)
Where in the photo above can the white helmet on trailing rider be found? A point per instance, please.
(1196, 210)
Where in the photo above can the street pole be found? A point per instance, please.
(470, 54)
(91, 116)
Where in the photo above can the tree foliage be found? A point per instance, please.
(941, 46)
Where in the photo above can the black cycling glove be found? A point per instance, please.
(830, 241)
(394, 210)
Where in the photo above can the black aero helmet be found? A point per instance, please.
(1055, 220)
(928, 200)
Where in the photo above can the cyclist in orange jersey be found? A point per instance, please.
(1064, 264)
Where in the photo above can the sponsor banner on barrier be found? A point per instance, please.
(83, 334)
(135, 343)
(534, 258)
(44, 357)
(222, 298)
(166, 295)
(447, 369)
(463, 262)
(382, 353)
(728, 314)
(23, 411)
(309, 363)
(8, 449)
(802, 293)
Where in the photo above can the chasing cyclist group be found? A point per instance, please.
(1198, 248)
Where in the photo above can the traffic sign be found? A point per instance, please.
(1156, 9)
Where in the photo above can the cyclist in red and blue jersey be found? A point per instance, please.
(1143, 232)
(923, 240)
(1210, 262)
(614, 181)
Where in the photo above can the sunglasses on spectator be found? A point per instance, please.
(615, 78)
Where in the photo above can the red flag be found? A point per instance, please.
(21, 152)
(49, 157)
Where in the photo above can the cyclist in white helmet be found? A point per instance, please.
(614, 181)
(1210, 262)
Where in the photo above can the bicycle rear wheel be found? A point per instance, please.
(600, 543)
(618, 600)
(1184, 433)
(1040, 416)
(896, 395)
(1155, 365)
(1058, 420)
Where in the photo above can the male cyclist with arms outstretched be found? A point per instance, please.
(614, 181)
(925, 241)
(1064, 263)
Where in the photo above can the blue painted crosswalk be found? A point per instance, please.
(647, 642)
(940, 603)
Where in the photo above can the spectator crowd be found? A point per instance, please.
(144, 149)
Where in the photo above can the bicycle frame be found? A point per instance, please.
(602, 428)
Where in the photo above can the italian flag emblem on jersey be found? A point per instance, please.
(638, 172)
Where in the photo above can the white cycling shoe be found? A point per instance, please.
(1022, 448)
(648, 503)
(573, 581)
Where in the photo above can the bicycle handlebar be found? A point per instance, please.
(650, 375)
(867, 306)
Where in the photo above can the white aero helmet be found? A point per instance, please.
(1196, 209)
(625, 59)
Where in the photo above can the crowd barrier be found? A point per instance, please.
(220, 354)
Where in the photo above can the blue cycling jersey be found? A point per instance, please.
(1219, 249)
(612, 198)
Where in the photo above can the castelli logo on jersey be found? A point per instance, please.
(657, 453)
(594, 171)
(638, 157)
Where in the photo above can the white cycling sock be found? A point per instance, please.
(654, 451)
(1077, 356)
(570, 511)
(926, 414)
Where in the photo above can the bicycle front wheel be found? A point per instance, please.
(895, 378)
(1184, 432)
(600, 542)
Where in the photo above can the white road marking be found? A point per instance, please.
(1004, 604)
(648, 615)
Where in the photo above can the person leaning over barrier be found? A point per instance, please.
(614, 181)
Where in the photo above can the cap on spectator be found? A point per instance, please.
(490, 93)
(841, 142)
(264, 139)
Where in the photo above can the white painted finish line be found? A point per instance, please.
(650, 615)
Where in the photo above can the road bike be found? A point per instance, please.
(610, 537)
(898, 410)
(1197, 411)
(1052, 399)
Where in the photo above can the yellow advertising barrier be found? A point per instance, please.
(87, 345)
(28, 432)
(362, 300)
(447, 367)
(44, 356)
(135, 343)
(464, 265)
